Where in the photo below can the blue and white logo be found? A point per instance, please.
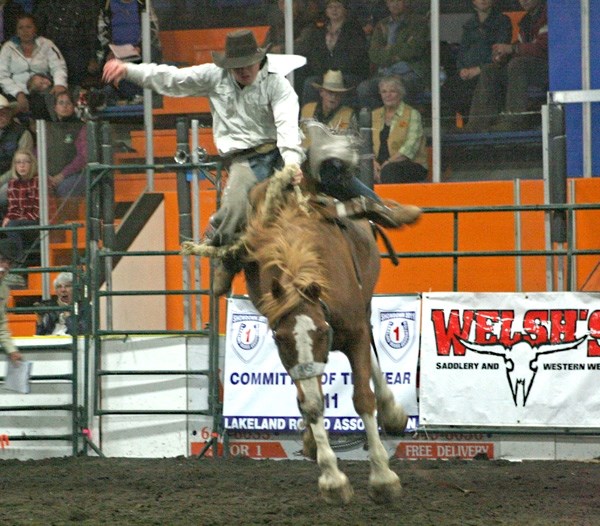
(397, 332)
(248, 333)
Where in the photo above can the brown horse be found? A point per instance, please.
(313, 279)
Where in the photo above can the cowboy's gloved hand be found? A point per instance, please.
(298, 176)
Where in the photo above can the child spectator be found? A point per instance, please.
(13, 136)
(40, 86)
(23, 200)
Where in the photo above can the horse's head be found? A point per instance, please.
(302, 332)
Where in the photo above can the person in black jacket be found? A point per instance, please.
(487, 26)
(59, 322)
(10, 12)
(73, 26)
(339, 44)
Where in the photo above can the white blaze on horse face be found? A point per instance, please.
(304, 341)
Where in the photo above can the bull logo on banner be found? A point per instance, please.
(249, 332)
(397, 332)
(521, 364)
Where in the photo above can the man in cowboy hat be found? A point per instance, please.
(333, 159)
(329, 110)
(255, 128)
(255, 123)
(8, 254)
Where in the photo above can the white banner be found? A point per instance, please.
(510, 359)
(260, 395)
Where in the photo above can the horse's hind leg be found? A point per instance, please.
(333, 483)
(384, 484)
(391, 415)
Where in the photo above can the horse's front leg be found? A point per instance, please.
(384, 484)
(333, 483)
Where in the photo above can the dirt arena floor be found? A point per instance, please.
(204, 492)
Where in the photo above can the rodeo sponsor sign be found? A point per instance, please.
(510, 359)
(259, 395)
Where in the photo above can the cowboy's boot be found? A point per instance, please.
(387, 213)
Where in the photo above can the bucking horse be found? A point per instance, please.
(312, 277)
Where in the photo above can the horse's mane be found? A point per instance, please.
(281, 238)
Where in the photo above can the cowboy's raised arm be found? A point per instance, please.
(194, 81)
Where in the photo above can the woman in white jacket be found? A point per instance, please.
(26, 54)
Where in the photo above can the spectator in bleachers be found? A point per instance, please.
(368, 13)
(41, 99)
(67, 147)
(27, 53)
(9, 12)
(334, 177)
(399, 46)
(23, 200)
(59, 323)
(73, 26)
(8, 256)
(398, 137)
(28, 6)
(487, 26)
(503, 85)
(275, 37)
(329, 109)
(13, 136)
(120, 25)
(339, 44)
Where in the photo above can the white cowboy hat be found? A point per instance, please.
(241, 50)
(333, 81)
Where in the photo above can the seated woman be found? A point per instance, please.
(59, 322)
(26, 54)
(67, 142)
(339, 44)
(398, 138)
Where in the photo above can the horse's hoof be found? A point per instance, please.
(385, 493)
(340, 495)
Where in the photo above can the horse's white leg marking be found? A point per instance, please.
(384, 484)
(392, 415)
(333, 483)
